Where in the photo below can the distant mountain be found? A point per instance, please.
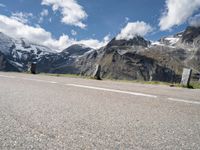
(123, 59)
(136, 41)
(140, 59)
(134, 59)
(77, 50)
(16, 54)
(188, 39)
(191, 36)
(63, 62)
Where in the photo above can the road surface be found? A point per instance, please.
(46, 112)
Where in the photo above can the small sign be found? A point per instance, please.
(186, 76)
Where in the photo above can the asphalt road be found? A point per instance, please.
(46, 112)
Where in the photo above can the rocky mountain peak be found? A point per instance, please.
(136, 58)
(136, 41)
(76, 49)
(191, 34)
(25, 43)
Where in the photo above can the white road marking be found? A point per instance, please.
(7, 76)
(106, 89)
(33, 79)
(13, 77)
(184, 101)
(53, 82)
(112, 90)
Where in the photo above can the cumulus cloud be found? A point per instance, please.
(195, 21)
(94, 43)
(177, 12)
(133, 29)
(127, 19)
(43, 14)
(73, 32)
(18, 29)
(21, 17)
(2, 5)
(72, 12)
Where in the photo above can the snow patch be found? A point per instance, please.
(6, 44)
(157, 43)
(172, 40)
(16, 64)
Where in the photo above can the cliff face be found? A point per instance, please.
(142, 60)
(127, 61)
(137, 58)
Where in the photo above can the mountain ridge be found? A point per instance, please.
(137, 58)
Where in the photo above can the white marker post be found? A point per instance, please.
(97, 72)
(186, 76)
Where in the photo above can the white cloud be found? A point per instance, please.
(177, 12)
(94, 43)
(22, 17)
(195, 21)
(2, 5)
(127, 19)
(133, 29)
(43, 14)
(107, 38)
(17, 29)
(72, 12)
(73, 32)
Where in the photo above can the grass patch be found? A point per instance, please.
(155, 82)
(193, 85)
(67, 75)
(139, 81)
(62, 75)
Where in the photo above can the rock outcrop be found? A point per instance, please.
(134, 59)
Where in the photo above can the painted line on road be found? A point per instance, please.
(184, 101)
(12, 77)
(53, 82)
(112, 90)
(107, 89)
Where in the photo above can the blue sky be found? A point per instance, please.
(101, 17)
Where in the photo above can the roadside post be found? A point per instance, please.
(186, 76)
(33, 67)
(97, 72)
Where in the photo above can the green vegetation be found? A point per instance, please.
(193, 85)
(62, 75)
(67, 75)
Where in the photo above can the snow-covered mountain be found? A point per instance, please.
(10, 45)
(19, 52)
(136, 58)
(188, 39)
(140, 59)
(63, 62)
